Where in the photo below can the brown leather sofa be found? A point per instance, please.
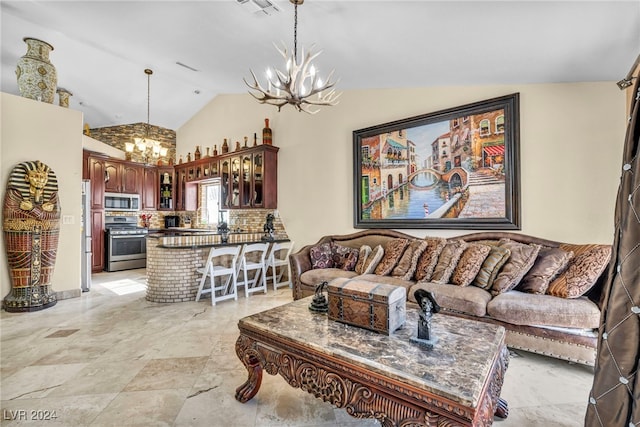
(558, 327)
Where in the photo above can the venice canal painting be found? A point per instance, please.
(456, 168)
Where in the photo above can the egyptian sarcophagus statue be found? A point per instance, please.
(31, 224)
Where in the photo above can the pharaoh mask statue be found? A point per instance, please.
(31, 224)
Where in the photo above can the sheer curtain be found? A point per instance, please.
(615, 394)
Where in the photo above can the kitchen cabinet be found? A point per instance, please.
(150, 188)
(97, 241)
(186, 190)
(123, 177)
(249, 178)
(165, 186)
(97, 177)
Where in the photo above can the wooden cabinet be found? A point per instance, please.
(249, 178)
(97, 177)
(186, 189)
(150, 188)
(97, 241)
(166, 188)
(121, 177)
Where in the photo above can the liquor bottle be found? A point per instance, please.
(188, 156)
(266, 133)
(215, 150)
(207, 155)
(225, 146)
(246, 139)
(255, 139)
(237, 146)
(196, 153)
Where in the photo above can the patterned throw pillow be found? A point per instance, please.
(497, 257)
(344, 257)
(582, 273)
(322, 256)
(393, 251)
(427, 262)
(363, 254)
(469, 264)
(372, 260)
(448, 260)
(521, 260)
(409, 261)
(549, 264)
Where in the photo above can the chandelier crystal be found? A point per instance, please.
(300, 84)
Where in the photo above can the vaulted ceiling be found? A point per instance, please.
(103, 47)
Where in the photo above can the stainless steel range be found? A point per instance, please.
(126, 243)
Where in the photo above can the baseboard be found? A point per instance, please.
(71, 293)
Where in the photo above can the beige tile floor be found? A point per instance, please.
(110, 358)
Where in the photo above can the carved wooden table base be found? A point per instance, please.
(362, 392)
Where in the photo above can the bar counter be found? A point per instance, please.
(174, 255)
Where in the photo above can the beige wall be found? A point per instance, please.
(571, 144)
(34, 130)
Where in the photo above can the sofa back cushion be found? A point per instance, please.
(491, 266)
(549, 264)
(321, 256)
(470, 263)
(363, 254)
(521, 260)
(406, 267)
(372, 260)
(344, 257)
(582, 273)
(392, 253)
(429, 258)
(448, 260)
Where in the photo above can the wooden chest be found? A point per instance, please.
(375, 306)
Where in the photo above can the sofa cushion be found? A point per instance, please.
(469, 264)
(521, 260)
(389, 280)
(468, 299)
(406, 267)
(321, 256)
(393, 251)
(448, 260)
(582, 273)
(344, 257)
(372, 260)
(549, 264)
(491, 266)
(520, 308)
(429, 258)
(363, 254)
(316, 276)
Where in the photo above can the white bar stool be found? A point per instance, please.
(221, 262)
(279, 257)
(252, 258)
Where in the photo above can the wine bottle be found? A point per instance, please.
(196, 154)
(266, 133)
(225, 146)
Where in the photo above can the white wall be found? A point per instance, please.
(34, 130)
(571, 144)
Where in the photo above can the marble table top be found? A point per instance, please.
(457, 367)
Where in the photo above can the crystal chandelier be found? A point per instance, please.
(300, 85)
(145, 143)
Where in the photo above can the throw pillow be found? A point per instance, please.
(521, 260)
(363, 254)
(427, 262)
(393, 251)
(497, 257)
(321, 256)
(582, 273)
(448, 260)
(549, 264)
(409, 261)
(372, 260)
(470, 263)
(344, 257)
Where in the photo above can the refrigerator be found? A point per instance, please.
(86, 236)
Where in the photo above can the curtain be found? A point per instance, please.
(615, 394)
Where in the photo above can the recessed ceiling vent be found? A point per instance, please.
(258, 7)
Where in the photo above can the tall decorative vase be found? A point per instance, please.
(37, 78)
(31, 227)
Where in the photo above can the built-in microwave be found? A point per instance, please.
(121, 202)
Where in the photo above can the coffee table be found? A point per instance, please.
(389, 378)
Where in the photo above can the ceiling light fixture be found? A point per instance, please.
(146, 142)
(300, 85)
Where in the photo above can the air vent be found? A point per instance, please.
(258, 7)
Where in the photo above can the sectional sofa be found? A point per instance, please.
(546, 294)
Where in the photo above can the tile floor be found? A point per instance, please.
(110, 358)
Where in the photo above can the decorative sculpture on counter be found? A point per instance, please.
(31, 227)
(268, 228)
(223, 229)
(319, 303)
(428, 306)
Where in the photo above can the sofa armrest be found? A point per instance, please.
(299, 263)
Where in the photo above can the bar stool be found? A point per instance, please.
(252, 258)
(279, 257)
(221, 262)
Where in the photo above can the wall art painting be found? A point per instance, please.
(457, 169)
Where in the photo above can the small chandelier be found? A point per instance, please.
(143, 143)
(300, 85)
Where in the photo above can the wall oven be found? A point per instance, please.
(121, 202)
(126, 244)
